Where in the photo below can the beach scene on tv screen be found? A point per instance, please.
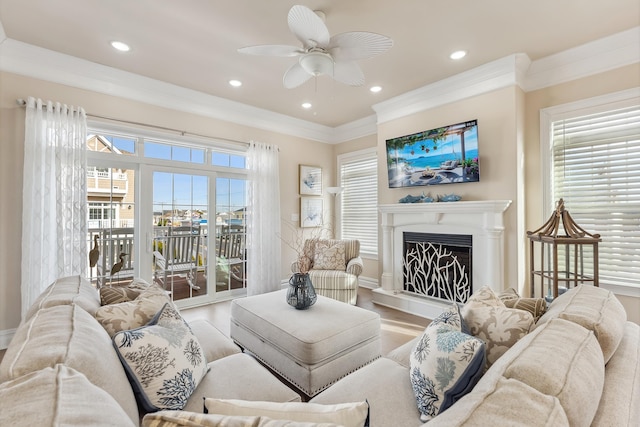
(443, 155)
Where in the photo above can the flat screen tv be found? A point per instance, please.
(444, 155)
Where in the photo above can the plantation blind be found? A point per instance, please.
(596, 170)
(359, 200)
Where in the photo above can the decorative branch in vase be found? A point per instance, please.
(301, 293)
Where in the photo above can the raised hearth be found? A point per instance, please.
(483, 220)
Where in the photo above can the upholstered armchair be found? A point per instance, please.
(333, 267)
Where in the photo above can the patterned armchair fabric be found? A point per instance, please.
(334, 267)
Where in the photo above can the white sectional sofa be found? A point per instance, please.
(580, 366)
(61, 367)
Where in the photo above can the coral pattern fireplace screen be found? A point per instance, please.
(438, 265)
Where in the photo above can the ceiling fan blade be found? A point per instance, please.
(349, 73)
(272, 50)
(308, 27)
(358, 45)
(295, 76)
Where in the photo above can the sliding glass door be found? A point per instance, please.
(181, 242)
(172, 212)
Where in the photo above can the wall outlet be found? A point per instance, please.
(295, 217)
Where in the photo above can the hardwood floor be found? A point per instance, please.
(397, 327)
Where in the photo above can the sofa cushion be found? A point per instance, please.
(560, 359)
(385, 385)
(503, 402)
(445, 363)
(536, 306)
(240, 376)
(354, 414)
(594, 308)
(402, 354)
(69, 335)
(65, 291)
(58, 396)
(329, 257)
(215, 344)
(498, 326)
(163, 359)
(132, 314)
(620, 402)
(193, 419)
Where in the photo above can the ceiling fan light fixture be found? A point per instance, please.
(316, 63)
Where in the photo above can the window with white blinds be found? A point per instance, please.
(358, 205)
(595, 168)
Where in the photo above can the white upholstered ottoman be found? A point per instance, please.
(310, 348)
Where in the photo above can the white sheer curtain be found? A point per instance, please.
(54, 206)
(263, 227)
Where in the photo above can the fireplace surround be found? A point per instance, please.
(482, 220)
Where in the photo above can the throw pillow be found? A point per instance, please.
(446, 363)
(329, 257)
(535, 306)
(117, 294)
(163, 360)
(354, 414)
(132, 314)
(192, 419)
(498, 326)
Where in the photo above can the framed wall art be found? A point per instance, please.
(310, 180)
(310, 212)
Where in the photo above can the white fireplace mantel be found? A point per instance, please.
(483, 220)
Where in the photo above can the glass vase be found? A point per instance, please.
(301, 294)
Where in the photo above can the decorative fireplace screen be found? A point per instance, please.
(438, 265)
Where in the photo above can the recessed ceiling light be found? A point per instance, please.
(375, 89)
(458, 54)
(122, 47)
(306, 105)
(235, 83)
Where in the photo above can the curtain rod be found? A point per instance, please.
(21, 102)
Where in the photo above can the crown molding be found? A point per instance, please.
(504, 72)
(607, 53)
(32, 61)
(591, 58)
(356, 129)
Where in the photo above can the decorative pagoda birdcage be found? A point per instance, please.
(560, 263)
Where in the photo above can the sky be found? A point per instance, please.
(189, 191)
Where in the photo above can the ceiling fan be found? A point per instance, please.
(320, 53)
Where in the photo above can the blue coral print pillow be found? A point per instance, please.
(446, 363)
(164, 360)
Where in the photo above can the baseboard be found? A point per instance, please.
(5, 337)
(423, 307)
(368, 282)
